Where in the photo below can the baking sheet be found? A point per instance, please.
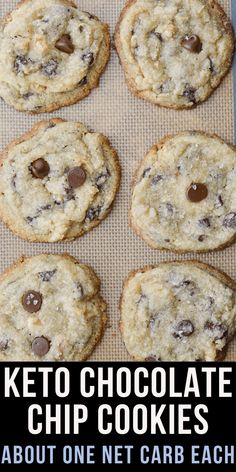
(132, 126)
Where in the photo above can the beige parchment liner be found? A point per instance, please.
(133, 126)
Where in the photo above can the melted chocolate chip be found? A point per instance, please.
(50, 68)
(3, 344)
(189, 93)
(20, 62)
(76, 177)
(212, 68)
(39, 168)
(101, 179)
(156, 179)
(217, 330)
(47, 275)
(32, 301)
(192, 43)
(93, 213)
(184, 328)
(201, 238)
(83, 82)
(80, 291)
(230, 221)
(40, 346)
(65, 44)
(219, 202)
(205, 223)
(13, 181)
(152, 359)
(146, 172)
(88, 58)
(157, 35)
(197, 192)
(27, 95)
(81, 28)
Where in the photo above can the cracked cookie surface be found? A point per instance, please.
(51, 55)
(175, 52)
(178, 311)
(184, 196)
(57, 182)
(50, 310)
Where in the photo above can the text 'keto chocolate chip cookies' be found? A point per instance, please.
(50, 309)
(184, 196)
(51, 55)
(178, 311)
(57, 182)
(175, 52)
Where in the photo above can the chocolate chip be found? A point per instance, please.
(205, 223)
(65, 44)
(151, 359)
(3, 344)
(20, 62)
(212, 68)
(76, 177)
(80, 291)
(184, 328)
(91, 17)
(201, 238)
(88, 58)
(81, 28)
(217, 330)
(47, 275)
(83, 82)
(39, 168)
(197, 192)
(32, 301)
(219, 202)
(93, 213)
(101, 179)
(50, 68)
(27, 95)
(146, 172)
(230, 221)
(157, 35)
(40, 346)
(192, 43)
(51, 125)
(156, 179)
(13, 181)
(189, 93)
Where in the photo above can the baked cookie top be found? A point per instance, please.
(57, 181)
(175, 52)
(51, 54)
(50, 310)
(178, 311)
(184, 196)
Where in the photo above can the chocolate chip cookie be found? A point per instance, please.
(50, 310)
(57, 182)
(184, 196)
(178, 311)
(51, 55)
(175, 53)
